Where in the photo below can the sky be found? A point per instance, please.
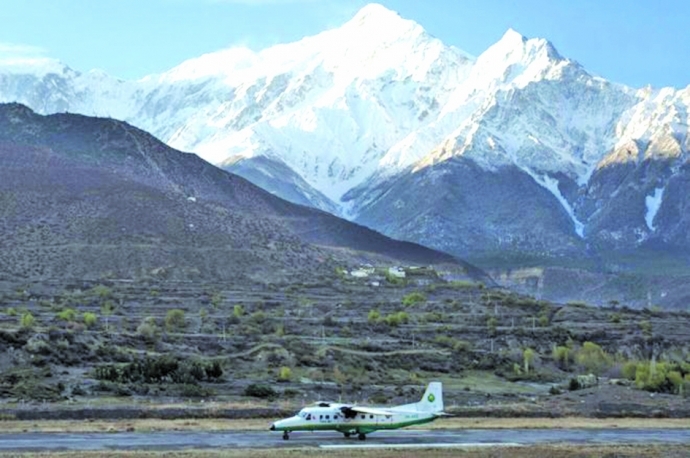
(635, 42)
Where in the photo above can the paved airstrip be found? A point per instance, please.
(465, 438)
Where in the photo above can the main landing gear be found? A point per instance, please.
(361, 436)
(286, 435)
(347, 434)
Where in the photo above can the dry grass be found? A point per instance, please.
(147, 425)
(551, 451)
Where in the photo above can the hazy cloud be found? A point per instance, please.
(20, 50)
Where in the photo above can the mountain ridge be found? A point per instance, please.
(349, 125)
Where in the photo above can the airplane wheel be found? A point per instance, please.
(286, 436)
(347, 434)
(361, 436)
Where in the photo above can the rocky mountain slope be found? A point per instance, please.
(518, 153)
(85, 197)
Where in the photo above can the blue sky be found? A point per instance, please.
(636, 42)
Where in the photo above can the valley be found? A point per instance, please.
(126, 349)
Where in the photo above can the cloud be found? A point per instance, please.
(20, 50)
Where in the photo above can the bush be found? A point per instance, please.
(574, 384)
(102, 291)
(663, 377)
(491, 324)
(374, 316)
(396, 319)
(174, 320)
(260, 391)
(413, 298)
(161, 369)
(27, 320)
(67, 315)
(593, 358)
(148, 329)
(284, 374)
(90, 319)
(629, 370)
(237, 311)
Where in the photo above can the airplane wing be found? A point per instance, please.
(367, 410)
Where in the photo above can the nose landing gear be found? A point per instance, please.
(286, 435)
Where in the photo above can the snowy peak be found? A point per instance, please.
(516, 60)
(376, 17)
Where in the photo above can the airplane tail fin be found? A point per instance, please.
(432, 401)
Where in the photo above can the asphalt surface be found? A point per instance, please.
(400, 438)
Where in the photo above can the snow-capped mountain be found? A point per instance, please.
(517, 149)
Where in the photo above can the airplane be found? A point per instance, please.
(352, 419)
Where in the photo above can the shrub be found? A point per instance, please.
(574, 384)
(629, 370)
(148, 329)
(284, 374)
(374, 316)
(237, 311)
(260, 391)
(90, 319)
(543, 320)
(216, 300)
(413, 298)
(27, 320)
(11, 311)
(491, 324)
(593, 358)
(174, 320)
(396, 319)
(67, 315)
(101, 291)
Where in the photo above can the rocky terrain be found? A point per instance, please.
(96, 198)
(129, 344)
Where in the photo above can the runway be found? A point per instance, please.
(461, 438)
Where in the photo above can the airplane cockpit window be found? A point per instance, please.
(308, 416)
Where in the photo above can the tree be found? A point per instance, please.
(593, 358)
(528, 358)
(562, 356)
(174, 320)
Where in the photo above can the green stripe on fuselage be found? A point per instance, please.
(359, 427)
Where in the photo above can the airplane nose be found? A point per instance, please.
(273, 427)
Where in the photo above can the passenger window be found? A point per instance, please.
(327, 417)
(371, 416)
(363, 417)
(320, 417)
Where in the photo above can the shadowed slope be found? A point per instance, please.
(84, 197)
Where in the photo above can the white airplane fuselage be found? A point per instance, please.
(352, 419)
